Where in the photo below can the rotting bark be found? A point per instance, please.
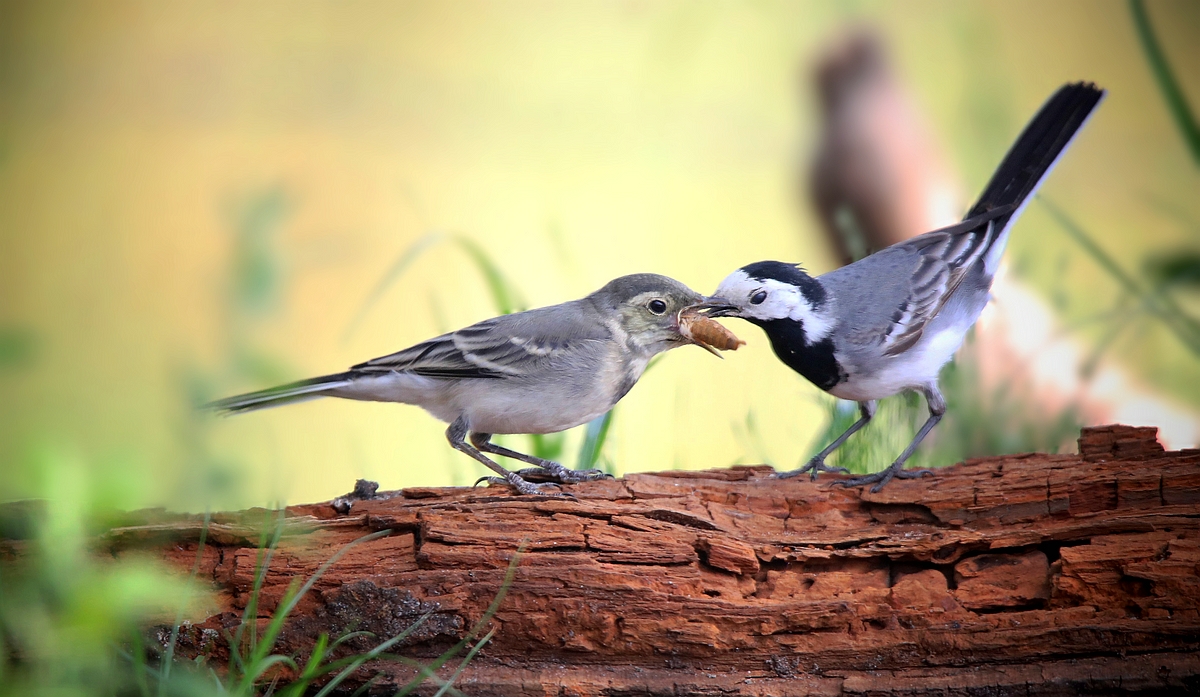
(1030, 574)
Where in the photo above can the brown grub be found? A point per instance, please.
(707, 332)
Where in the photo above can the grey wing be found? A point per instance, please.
(502, 347)
(914, 280)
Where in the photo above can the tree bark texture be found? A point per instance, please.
(1028, 574)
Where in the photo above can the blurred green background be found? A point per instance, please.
(201, 198)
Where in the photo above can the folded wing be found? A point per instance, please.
(502, 347)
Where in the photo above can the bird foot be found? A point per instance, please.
(882, 478)
(524, 487)
(554, 472)
(814, 465)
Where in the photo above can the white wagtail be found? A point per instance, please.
(890, 321)
(539, 371)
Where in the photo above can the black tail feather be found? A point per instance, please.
(1034, 153)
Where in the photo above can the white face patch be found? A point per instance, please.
(783, 301)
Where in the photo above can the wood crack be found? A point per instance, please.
(1046, 574)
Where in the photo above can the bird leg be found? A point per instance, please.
(457, 433)
(817, 464)
(542, 469)
(937, 409)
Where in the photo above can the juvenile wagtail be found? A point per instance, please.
(539, 371)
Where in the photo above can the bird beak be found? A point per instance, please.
(717, 307)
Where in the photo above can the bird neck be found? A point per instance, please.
(633, 358)
(814, 360)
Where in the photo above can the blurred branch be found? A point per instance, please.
(1172, 92)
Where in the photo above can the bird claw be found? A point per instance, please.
(524, 487)
(880, 479)
(815, 465)
(562, 475)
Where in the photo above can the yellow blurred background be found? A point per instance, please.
(199, 198)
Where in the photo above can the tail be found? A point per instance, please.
(284, 394)
(1033, 156)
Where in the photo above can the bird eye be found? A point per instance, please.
(758, 298)
(657, 306)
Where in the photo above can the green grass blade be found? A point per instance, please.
(260, 668)
(425, 674)
(169, 656)
(291, 604)
(237, 664)
(262, 562)
(376, 652)
(393, 274)
(1179, 268)
(358, 661)
(504, 294)
(492, 608)
(1184, 326)
(217, 684)
(594, 436)
(1177, 104)
(260, 656)
(314, 668)
(1101, 257)
(465, 662)
(596, 433)
(267, 541)
(291, 598)
(362, 689)
(138, 658)
(354, 635)
(320, 649)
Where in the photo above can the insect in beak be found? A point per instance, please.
(701, 330)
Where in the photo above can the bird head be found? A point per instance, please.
(646, 307)
(769, 291)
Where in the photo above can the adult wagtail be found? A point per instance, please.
(890, 321)
(539, 371)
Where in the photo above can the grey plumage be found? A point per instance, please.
(539, 371)
(890, 321)
(934, 281)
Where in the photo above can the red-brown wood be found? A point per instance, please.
(1030, 574)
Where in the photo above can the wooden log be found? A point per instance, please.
(1030, 574)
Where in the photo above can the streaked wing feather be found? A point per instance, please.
(437, 357)
(501, 347)
(949, 254)
(945, 257)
